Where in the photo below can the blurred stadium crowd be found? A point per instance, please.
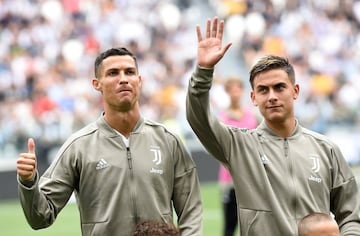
(47, 50)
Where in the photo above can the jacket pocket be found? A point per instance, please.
(167, 218)
(254, 222)
(94, 229)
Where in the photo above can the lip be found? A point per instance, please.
(273, 107)
(121, 90)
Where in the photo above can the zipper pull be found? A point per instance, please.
(128, 154)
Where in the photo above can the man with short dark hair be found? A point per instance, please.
(123, 168)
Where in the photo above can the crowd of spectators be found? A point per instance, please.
(47, 50)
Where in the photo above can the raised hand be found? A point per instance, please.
(26, 163)
(210, 49)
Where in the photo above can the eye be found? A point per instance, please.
(113, 72)
(130, 72)
(280, 87)
(262, 89)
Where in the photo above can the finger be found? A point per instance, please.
(221, 30)
(31, 146)
(225, 48)
(214, 27)
(26, 158)
(208, 25)
(25, 175)
(198, 32)
(26, 167)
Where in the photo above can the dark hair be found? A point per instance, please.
(271, 62)
(111, 52)
(155, 228)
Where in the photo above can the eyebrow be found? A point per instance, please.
(118, 69)
(259, 87)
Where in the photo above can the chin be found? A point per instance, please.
(275, 118)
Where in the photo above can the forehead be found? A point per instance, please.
(271, 77)
(117, 61)
(233, 83)
(326, 228)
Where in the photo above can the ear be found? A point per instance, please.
(96, 84)
(140, 81)
(252, 96)
(296, 91)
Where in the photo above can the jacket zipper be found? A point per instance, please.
(286, 147)
(128, 154)
(133, 194)
(293, 182)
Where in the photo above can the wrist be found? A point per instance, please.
(28, 182)
(205, 67)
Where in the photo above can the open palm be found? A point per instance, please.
(210, 49)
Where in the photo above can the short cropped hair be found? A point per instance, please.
(271, 62)
(155, 228)
(304, 226)
(112, 52)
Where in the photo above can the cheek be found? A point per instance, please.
(136, 86)
(138, 92)
(108, 88)
(259, 100)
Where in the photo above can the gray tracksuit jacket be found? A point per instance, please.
(277, 180)
(117, 187)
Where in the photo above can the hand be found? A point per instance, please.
(26, 163)
(210, 49)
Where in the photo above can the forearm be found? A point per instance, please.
(211, 133)
(35, 206)
(350, 228)
(347, 199)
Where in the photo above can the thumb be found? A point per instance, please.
(226, 47)
(31, 145)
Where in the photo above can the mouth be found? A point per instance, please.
(273, 107)
(122, 90)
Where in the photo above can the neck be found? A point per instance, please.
(123, 122)
(235, 111)
(235, 105)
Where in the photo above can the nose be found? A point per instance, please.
(272, 95)
(123, 78)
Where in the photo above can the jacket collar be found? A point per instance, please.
(106, 129)
(263, 129)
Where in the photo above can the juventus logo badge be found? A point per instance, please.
(157, 154)
(316, 163)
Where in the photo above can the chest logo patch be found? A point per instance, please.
(315, 168)
(157, 154)
(315, 163)
(157, 160)
(102, 164)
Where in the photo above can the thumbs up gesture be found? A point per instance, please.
(26, 163)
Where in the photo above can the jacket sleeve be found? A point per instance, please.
(213, 134)
(186, 193)
(345, 198)
(42, 201)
